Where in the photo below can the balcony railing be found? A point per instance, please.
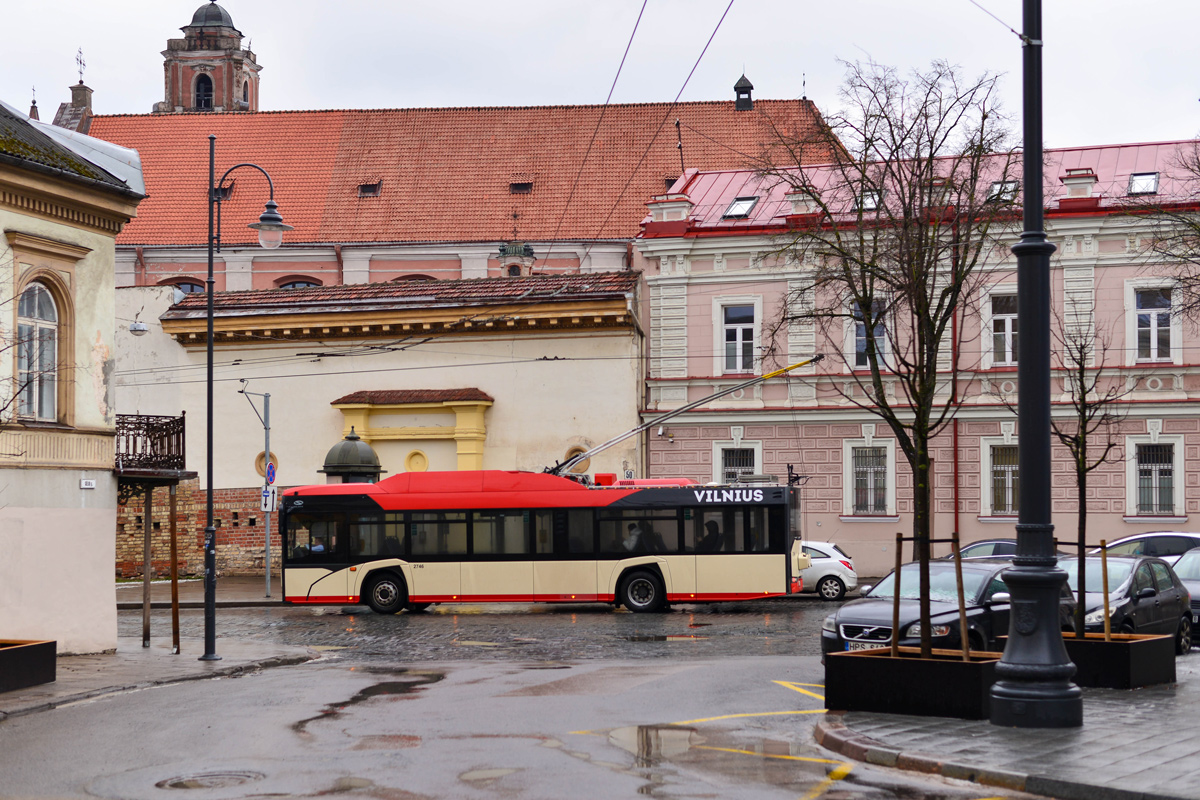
(150, 443)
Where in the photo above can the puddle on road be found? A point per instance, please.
(396, 689)
(679, 637)
(651, 744)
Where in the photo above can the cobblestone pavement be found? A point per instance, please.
(520, 633)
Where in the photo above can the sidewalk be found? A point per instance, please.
(135, 667)
(1134, 745)
(235, 592)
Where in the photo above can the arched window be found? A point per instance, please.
(204, 92)
(188, 287)
(37, 354)
(246, 92)
(514, 270)
(299, 284)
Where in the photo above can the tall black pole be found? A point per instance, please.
(1034, 689)
(210, 531)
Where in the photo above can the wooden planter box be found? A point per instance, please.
(942, 686)
(26, 663)
(1130, 660)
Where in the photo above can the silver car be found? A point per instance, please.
(832, 572)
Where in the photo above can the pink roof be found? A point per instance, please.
(712, 192)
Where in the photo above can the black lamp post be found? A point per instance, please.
(270, 229)
(1034, 689)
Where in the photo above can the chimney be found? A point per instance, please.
(743, 88)
(81, 96)
(1079, 181)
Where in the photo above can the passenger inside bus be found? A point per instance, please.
(710, 542)
(633, 539)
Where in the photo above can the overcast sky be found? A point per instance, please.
(1115, 71)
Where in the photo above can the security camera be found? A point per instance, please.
(660, 430)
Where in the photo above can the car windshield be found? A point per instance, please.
(1118, 573)
(1188, 566)
(941, 584)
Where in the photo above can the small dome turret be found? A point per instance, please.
(352, 461)
(211, 15)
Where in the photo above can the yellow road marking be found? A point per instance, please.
(796, 687)
(835, 775)
(756, 714)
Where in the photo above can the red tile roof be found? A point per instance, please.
(418, 294)
(445, 172)
(395, 397)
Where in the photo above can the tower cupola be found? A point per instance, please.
(208, 70)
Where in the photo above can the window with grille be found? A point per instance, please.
(204, 92)
(1004, 329)
(736, 461)
(1156, 479)
(1005, 484)
(870, 480)
(739, 338)
(1153, 324)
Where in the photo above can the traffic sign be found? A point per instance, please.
(270, 472)
(270, 498)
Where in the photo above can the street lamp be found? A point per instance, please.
(270, 229)
(1033, 687)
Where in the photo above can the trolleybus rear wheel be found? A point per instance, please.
(642, 592)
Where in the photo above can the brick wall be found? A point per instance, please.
(238, 520)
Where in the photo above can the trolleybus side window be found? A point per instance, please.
(639, 531)
(499, 532)
(581, 531)
(438, 533)
(376, 536)
(314, 537)
(543, 531)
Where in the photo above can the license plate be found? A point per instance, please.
(864, 645)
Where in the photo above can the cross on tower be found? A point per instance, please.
(81, 63)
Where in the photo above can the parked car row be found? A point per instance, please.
(1145, 596)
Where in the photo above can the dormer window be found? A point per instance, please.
(669, 181)
(298, 284)
(1003, 191)
(740, 208)
(221, 193)
(522, 187)
(189, 287)
(370, 189)
(1143, 183)
(868, 200)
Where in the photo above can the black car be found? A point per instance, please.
(1144, 596)
(989, 548)
(1187, 569)
(867, 622)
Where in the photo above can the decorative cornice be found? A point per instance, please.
(65, 202)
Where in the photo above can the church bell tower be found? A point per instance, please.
(207, 70)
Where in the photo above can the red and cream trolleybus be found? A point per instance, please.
(494, 536)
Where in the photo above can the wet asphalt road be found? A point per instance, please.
(523, 632)
(471, 702)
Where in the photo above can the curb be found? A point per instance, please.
(831, 733)
(218, 672)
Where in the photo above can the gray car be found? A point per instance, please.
(832, 572)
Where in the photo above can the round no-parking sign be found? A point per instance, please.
(270, 473)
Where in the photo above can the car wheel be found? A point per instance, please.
(642, 592)
(387, 594)
(1183, 638)
(831, 588)
(416, 607)
(1126, 627)
(977, 640)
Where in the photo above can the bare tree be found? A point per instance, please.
(1172, 218)
(896, 229)
(1092, 433)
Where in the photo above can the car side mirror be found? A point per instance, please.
(1001, 597)
(1145, 593)
(865, 589)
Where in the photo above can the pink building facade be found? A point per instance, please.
(716, 286)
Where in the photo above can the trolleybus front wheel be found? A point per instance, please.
(642, 592)
(387, 594)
